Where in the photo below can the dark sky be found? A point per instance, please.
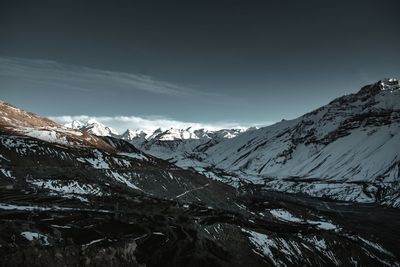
(244, 61)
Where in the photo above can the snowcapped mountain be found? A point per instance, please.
(129, 134)
(91, 126)
(347, 150)
(181, 146)
(139, 135)
(173, 134)
(75, 124)
(354, 138)
(173, 144)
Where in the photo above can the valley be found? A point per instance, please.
(320, 190)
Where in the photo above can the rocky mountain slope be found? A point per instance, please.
(353, 138)
(69, 198)
(37, 152)
(346, 150)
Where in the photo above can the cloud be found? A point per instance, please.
(151, 123)
(43, 78)
(51, 75)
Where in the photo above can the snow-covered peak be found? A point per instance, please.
(389, 84)
(136, 134)
(189, 133)
(180, 134)
(174, 134)
(230, 133)
(100, 129)
(92, 126)
(75, 124)
(384, 86)
(128, 135)
(155, 133)
(92, 121)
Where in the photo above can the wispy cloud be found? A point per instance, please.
(87, 84)
(121, 123)
(54, 75)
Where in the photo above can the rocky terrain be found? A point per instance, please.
(62, 160)
(71, 198)
(131, 229)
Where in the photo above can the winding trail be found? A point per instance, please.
(194, 189)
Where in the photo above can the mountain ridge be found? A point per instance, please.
(67, 198)
(346, 150)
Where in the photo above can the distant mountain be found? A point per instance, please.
(181, 146)
(94, 127)
(91, 126)
(173, 144)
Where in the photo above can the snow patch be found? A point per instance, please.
(285, 215)
(68, 187)
(7, 173)
(36, 236)
(122, 179)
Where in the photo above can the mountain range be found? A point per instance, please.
(84, 195)
(345, 150)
